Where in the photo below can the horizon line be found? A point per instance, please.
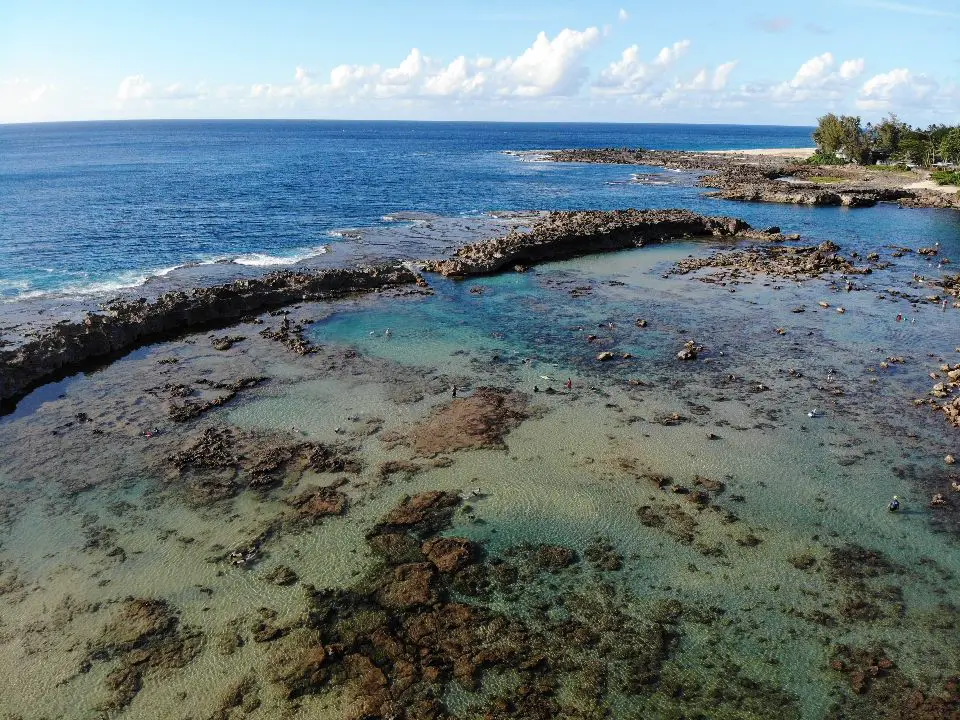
(381, 120)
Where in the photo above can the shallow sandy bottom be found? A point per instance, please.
(94, 512)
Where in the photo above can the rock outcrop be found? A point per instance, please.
(481, 420)
(144, 638)
(125, 325)
(793, 262)
(760, 178)
(562, 235)
(421, 623)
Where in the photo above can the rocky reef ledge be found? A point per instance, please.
(776, 178)
(569, 234)
(124, 325)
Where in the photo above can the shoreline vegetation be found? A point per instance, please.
(886, 162)
(782, 176)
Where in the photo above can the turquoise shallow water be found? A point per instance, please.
(94, 511)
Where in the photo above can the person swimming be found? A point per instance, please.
(894, 505)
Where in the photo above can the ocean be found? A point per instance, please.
(94, 207)
(634, 537)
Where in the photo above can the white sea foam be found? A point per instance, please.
(529, 155)
(24, 289)
(264, 260)
(346, 234)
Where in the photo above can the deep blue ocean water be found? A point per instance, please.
(94, 206)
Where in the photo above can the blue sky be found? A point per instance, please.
(685, 61)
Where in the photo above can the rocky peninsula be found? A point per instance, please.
(124, 325)
(563, 235)
(778, 179)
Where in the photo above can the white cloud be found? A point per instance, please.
(816, 79)
(631, 75)
(22, 97)
(460, 77)
(813, 72)
(899, 87)
(722, 74)
(623, 15)
(134, 87)
(553, 70)
(852, 68)
(37, 93)
(346, 77)
(407, 72)
(551, 67)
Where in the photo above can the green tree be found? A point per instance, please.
(842, 134)
(829, 134)
(950, 145)
(886, 135)
(913, 148)
(855, 144)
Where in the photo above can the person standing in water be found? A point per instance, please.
(894, 504)
(569, 383)
(454, 391)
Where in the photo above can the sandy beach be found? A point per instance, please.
(799, 153)
(931, 185)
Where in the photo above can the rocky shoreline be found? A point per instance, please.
(123, 325)
(775, 179)
(564, 235)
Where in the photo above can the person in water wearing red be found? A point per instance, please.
(569, 383)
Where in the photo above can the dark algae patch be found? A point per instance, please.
(144, 638)
(436, 617)
(878, 689)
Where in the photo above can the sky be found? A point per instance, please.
(697, 61)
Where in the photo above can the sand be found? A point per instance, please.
(800, 153)
(931, 185)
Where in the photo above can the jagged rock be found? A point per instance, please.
(409, 585)
(226, 342)
(449, 554)
(794, 262)
(568, 234)
(422, 514)
(313, 505)
(243, 696)
(128, 324)
(281, 575)
(145, 637)
(554, 557)
(761, 179)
